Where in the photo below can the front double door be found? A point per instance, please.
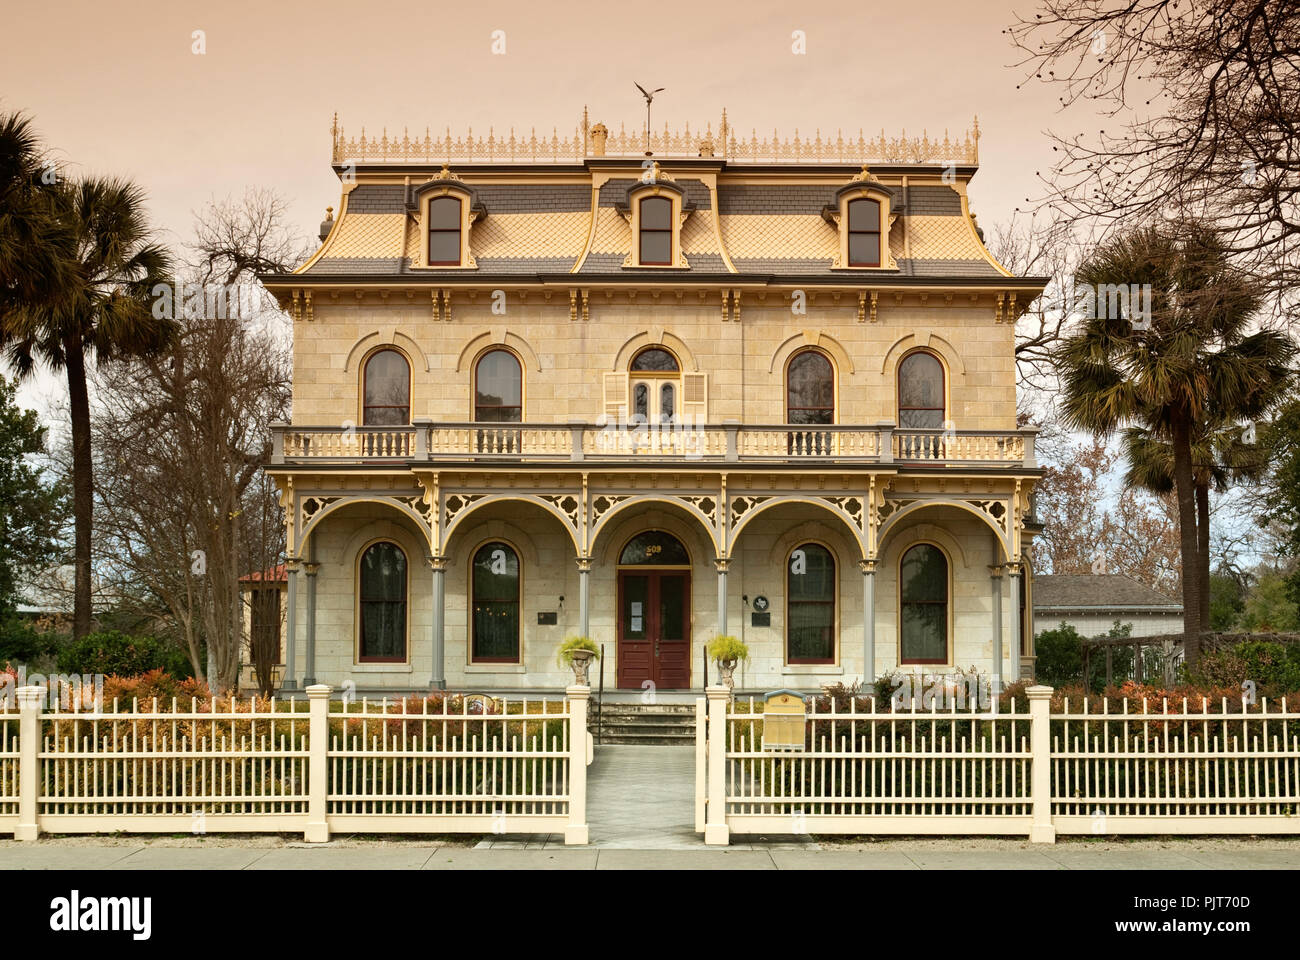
(654, 629)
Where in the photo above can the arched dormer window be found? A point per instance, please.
(444, 223)
(656, 231)
(864, 233)
(656, 206)
(864, 210)
(386, 390)
(446, 207)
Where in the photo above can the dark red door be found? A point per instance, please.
(654, 632)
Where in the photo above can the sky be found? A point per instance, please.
(130, 90)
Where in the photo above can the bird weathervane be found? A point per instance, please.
(649, 99)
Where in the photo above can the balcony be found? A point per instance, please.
(623, 443)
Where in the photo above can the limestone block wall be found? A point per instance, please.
(564, 360)
(549, 573)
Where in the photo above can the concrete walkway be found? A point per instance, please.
(639, 798)
(50, 854)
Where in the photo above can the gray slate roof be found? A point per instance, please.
(1113, 591)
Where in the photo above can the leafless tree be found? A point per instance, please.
(1202, 107)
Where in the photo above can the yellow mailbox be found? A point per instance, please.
(783, 720)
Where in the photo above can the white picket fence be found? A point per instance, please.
(312, 766)
(1182, 768)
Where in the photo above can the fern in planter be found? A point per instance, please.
(726, 649)
(572, 644)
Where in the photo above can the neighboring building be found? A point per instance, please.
(565, 386)
(1091, 603)
(264, 619)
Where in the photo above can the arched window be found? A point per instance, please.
(810, 605)
(654, 360)
(386, 390)
(923, 593)
(920, 392)
(657, 231)
(498, 388)
(495, 632)
(383, 603)
(444, 232)
(654, 548)
(654, 375)
(810, 389)
(864, 233)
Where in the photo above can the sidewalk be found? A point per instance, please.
(51, 854)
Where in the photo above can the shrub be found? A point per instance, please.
(112, 652)
(1274, 667)
(20, 642)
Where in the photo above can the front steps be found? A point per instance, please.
(658, 724)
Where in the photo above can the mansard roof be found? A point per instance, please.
(752, 209)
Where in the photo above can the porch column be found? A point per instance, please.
(311, 569)
(721, 564)
(584, 595)
(438, 676)
(1017, 571)
(995, 578)
(290, 679)
(868, 621)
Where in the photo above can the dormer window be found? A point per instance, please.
(864, 233)
(444, 221)
(864, 210)
(445, 207)
(656, 231)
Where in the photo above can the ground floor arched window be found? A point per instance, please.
(495, 602)
(923, 595)
(810, 605)
(382, 590)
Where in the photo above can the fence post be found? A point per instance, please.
(701, 762)
(576, 830)
(716, 832)
(318, 700)
(1040, 748)
(29, 761)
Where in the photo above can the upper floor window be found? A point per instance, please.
(382, 594)
(864, 233)
(654, 373)
(444, 223)
(810, 605)
(498, 388)
(495, 594)
(386, 390)
(656, 225)
(920, 392)
(810, 389)
(923, 590)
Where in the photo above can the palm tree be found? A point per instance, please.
(1181, 377)
(93, 302)
(31, 240)
(1218, 459)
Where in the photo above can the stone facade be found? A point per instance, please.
(576, 474)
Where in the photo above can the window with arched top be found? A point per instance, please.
(381, 591)
(498, 388)
(654, 377)
(921, 392)
(654, 360)
(386, 390)
(444, 223)
(810, 605)
(864, 233)
(810, 389)
(494, 634)
(654, 548)
(923, 599)
(656, 226)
